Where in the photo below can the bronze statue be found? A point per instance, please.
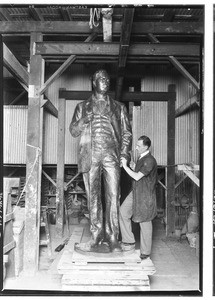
(105, 138)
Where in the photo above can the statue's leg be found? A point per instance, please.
(111, 175)
(95, 203)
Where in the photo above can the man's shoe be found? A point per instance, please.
(144, 256)
(127, 246)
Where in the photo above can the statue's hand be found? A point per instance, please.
(87, 119)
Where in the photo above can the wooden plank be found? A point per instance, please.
(8, 217)
(33, 163)
(170, 170)
(99, 48)
(83, 27)
(187, 106)
(14, 66)
(107, 275)
(101, 282)
(60, 168)
(107, 288)
(126, 96)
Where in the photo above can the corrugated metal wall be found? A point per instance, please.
(15, 129)
(151, 118)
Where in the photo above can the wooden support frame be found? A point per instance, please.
(170, 170)
(49, 106)
(63, 67)
(33, 162)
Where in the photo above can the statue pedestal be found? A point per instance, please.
(104, 272)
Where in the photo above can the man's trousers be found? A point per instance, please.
(125, 215)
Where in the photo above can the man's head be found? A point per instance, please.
(101, 81)
(143, 144)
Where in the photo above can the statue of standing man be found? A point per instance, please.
(105, 137)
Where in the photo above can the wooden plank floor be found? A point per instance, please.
(106, 273)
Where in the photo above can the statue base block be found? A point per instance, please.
(102, 250)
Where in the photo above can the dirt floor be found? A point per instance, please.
(176, 263)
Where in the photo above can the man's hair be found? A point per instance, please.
(146, 140)
(99, 73)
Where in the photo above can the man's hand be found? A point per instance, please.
(123, 161)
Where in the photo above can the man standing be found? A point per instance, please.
(140, 204)
(105, 132)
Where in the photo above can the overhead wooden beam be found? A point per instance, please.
(83, 27)
(49, 106)
(35, 12)
(14, 66)
(33, 163)
(63, 67)
(127, 23)
(178, 65)
(100, 48)
(5, 14)
(126, 96)
(192, 103)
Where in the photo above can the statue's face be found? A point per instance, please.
(101, 83)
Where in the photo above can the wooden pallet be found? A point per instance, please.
(104, 273)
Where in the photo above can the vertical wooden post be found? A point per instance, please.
(170, 172)
(33, 161)
(60, 168)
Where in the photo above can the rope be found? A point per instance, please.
(94, 12)
(38, 153)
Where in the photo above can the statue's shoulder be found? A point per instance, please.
(117, 103)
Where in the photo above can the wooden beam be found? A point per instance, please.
(49, 178)
(178, 65)
(14, 66)
(35, 12)
(123, 48)
(83, 27)
(63, 67)
(184, 72)
(170, 170)
(49, 106)
(16, 99)
(33, 163)
(190, 104)
(187, 170)
(100, 48)
(5, 14)
(126, 96)
(60, 168)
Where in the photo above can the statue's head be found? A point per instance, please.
(101, 81)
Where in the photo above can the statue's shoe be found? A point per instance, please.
(88, 246)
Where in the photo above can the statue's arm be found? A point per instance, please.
(126, 134)
(76, 126)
